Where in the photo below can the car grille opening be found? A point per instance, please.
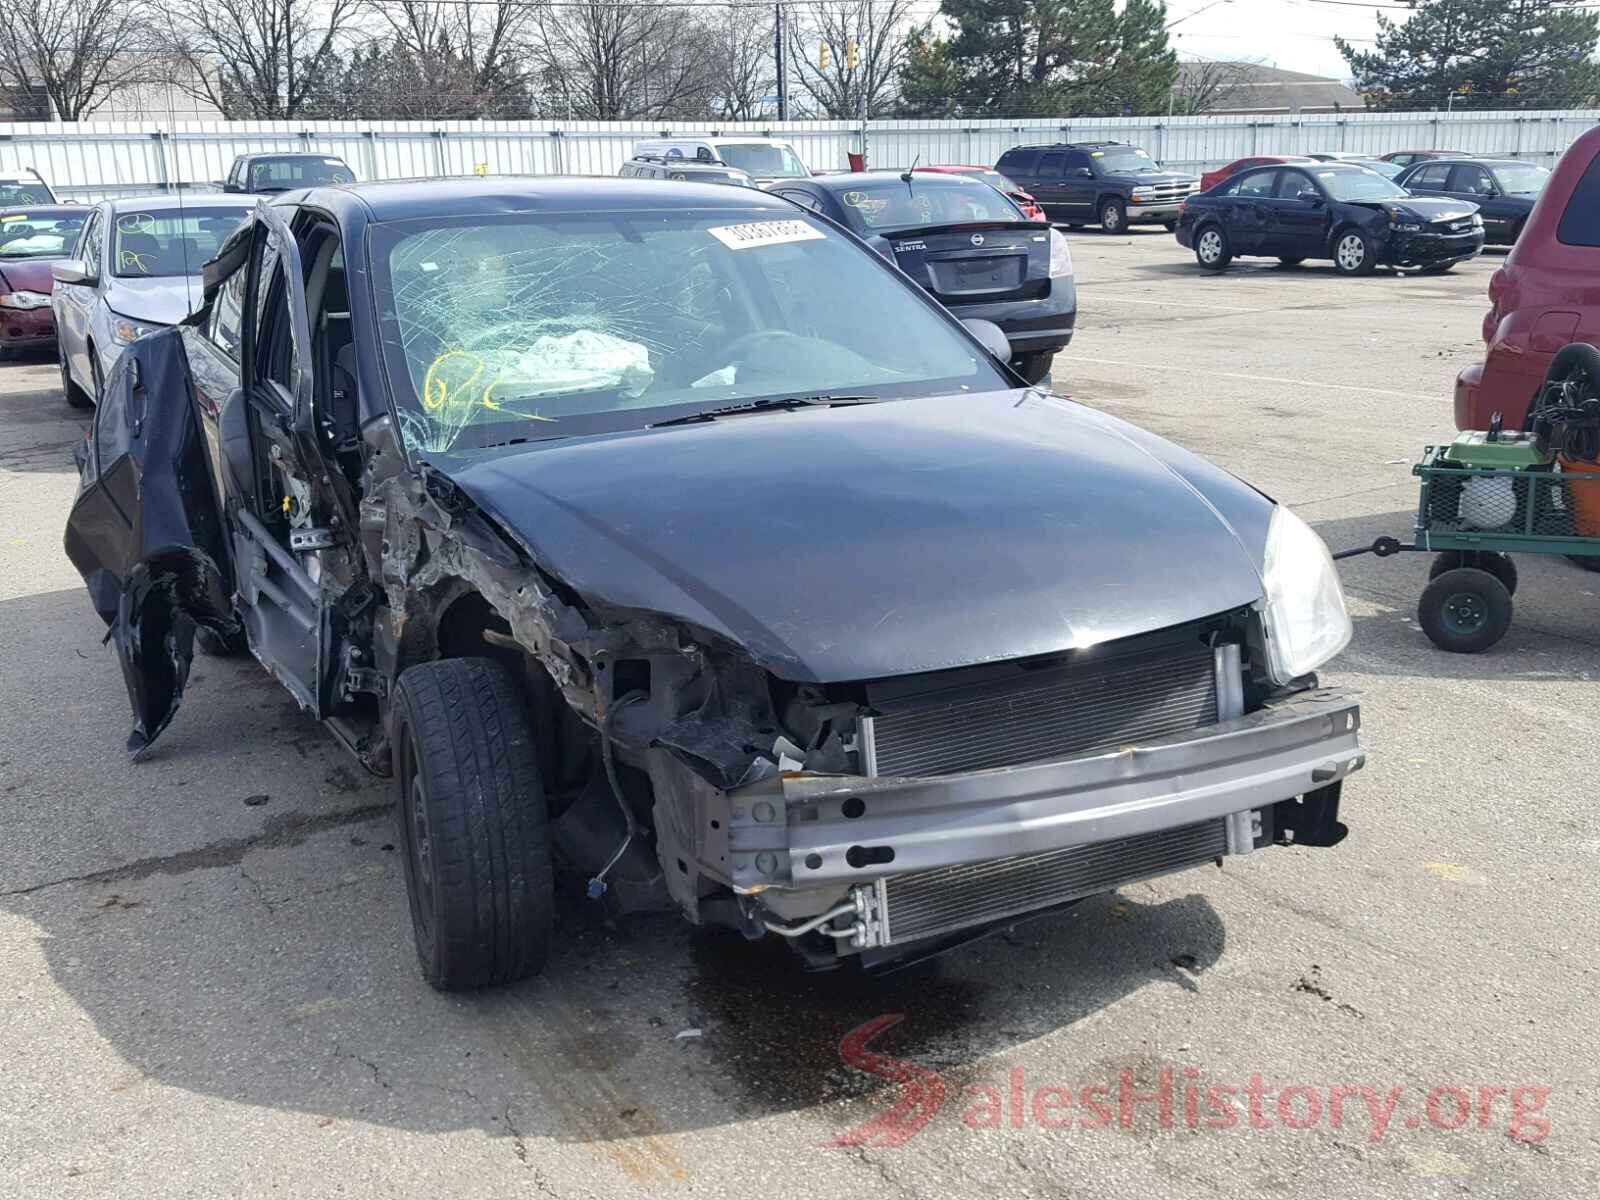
(923, 904)
(1136, 695)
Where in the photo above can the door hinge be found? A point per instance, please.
(310, 539)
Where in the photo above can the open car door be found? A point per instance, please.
(167, 540)
(146, 530)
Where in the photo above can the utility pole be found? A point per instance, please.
(782, 63)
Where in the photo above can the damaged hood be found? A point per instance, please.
(887, 539)
(164, 301)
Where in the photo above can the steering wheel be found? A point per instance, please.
(735, 351)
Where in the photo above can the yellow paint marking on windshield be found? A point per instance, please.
(452, 397)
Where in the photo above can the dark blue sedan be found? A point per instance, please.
(1337, 211)
(1504, 190)
(966, 244)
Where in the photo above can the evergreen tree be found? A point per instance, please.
(1041, 57)
(1487, 53)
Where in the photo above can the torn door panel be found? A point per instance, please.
(146, 530)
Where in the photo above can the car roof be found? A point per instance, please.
(287, 154)
(47, 210)
(399, 200)
(160, 203)
(938, 179)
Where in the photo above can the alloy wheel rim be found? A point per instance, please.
(1351, 251)
(1210, 246)
(1111, 218)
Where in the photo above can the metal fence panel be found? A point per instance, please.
(93, 160)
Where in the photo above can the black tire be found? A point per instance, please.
(1291, 260)
(1171, 226)
(1585, 561)
(1465, 611)
(474, 828)
(1497, 564)
(1114, 217)
(1354, 252)
(1211, 249)
(76, 396)
(1035, 368)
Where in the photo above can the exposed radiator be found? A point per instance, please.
(1129, 697)
(907, 908)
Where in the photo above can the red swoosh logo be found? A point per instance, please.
(921, 1090)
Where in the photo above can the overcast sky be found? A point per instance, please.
(1294, 34)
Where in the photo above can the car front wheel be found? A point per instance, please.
(1211, 248)
(1354, 253)
(76, 396)
(1113, 217)
(473, 824)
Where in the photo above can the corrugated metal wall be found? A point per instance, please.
(97, 159)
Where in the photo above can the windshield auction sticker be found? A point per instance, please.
(764, 233)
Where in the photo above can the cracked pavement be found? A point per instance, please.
(202, 997)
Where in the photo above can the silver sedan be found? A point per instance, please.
(135, 268)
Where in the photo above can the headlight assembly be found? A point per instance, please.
(124, 330)
(1306, 622)
(24, 300)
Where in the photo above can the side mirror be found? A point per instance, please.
(991, 335)
(73, 270)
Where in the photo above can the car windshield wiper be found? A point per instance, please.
(780, 404)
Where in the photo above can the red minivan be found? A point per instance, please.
(1546, 294)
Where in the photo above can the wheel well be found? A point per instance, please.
(1100, 203)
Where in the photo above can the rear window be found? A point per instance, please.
(1580, 223)
(895, 204)
(1017, 161)
(284, 174)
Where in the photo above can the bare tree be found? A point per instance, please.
(740, 65)
(1204, 85)
(255, 59)
(78, 51)
(876, 27)
(452, 44)
(606, 61)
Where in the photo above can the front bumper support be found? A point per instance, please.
(805, 831)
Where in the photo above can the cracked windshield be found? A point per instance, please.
(523, 329)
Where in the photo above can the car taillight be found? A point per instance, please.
(1060, 255)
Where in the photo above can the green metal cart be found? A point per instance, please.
(1484, 498)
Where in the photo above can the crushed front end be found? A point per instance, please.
(966, 800)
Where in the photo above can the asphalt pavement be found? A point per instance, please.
(207, 986)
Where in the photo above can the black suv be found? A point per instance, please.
(1110, 184)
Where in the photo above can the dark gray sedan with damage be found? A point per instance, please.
(672, 539)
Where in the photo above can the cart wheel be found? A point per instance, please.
(1497, 564)
(1465, 611)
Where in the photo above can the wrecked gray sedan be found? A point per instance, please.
(672, 538)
